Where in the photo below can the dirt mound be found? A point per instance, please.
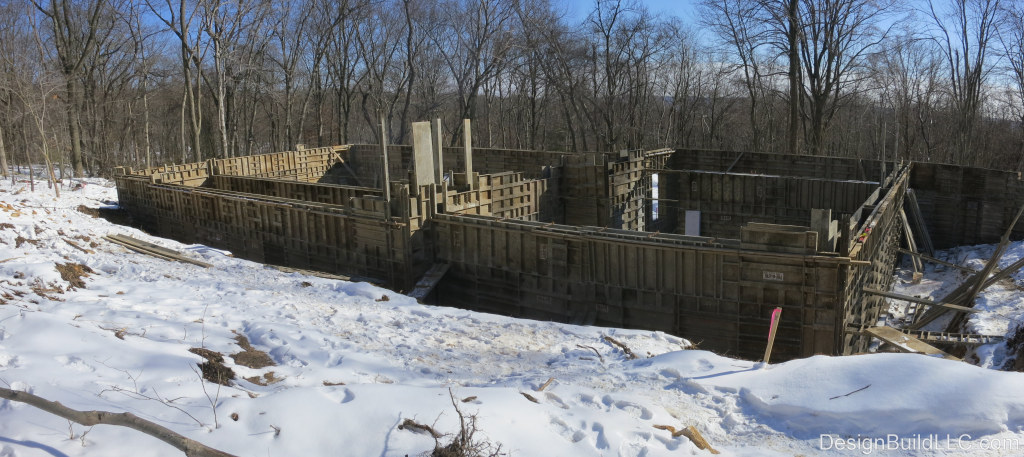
(250, 356)
(214, 369)
(87, 210)
(73, 274)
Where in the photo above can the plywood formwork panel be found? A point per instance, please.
(684, 285)
(729, 201)
(716, 291)
(965, 205)
(295, 233)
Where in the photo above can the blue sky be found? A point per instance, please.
(685, 9)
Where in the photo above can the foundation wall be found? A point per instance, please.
(561, 239)
(779, 164)
(354, 240)
(715, 293)
(871, 237)
(303, 165)
(965, 206)
(509, 196)
(728, 201)
(295, 190)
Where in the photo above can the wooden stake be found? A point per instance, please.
(776, 314)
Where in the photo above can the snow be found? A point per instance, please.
(351, 367)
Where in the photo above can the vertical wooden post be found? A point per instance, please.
(438, 152)
(423, 156)
(776, 315)
(467, 139)
(384, 160)
(384, 157)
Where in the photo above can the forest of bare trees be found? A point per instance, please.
(90, 84)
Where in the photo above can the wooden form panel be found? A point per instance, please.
(508, 196)
(837, 168)
(727, 200)
(584, 191)
(706, 291)
(309, 192)
(279, 164)
(353, 241)
(963, 205)
(189, 174)
(873, 241)
(629, 189)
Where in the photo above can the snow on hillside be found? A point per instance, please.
(351, 367)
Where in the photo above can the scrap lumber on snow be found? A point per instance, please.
(152, 249)
(965, 294)
(906, 343)
(922, 301)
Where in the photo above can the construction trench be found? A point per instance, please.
(707, 253)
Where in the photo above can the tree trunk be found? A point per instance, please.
(3, 154)
(794, 77)
(190, 447)
(75, 130)
(145, 121)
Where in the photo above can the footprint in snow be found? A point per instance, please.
(602, 441)
(634, 410)
(570, 433)
(74, 363)
(633, 449)
(556, 400)
(589, 401)
(342, 395)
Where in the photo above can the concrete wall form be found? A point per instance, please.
(559, 236)
(966, 206)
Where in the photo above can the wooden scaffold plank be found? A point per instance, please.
(906, 343)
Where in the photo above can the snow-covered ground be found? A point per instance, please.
(351, 367)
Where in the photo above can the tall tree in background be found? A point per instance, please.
(966, 29)
(792, 40)
(1013, 44)
(835, 39)
(473, 37)
(907, 76)
(744, 30)
(179, 18)
(75, 34)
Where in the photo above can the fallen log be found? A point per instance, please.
(190, 447)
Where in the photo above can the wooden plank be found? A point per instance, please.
(906, 343)
(429, 281)
(954, 338)
(152, 249)
(931, 259)
(922, 301)
(922, 230)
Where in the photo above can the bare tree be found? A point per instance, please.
(907, 74)
(179, 18)
(474, 39)
(836, 37)
(75, 33)
(742, 26)
(288, 53)
(965, 31)
(1012, 39)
